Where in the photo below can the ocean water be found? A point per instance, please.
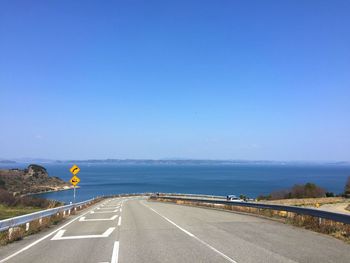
(247, 179)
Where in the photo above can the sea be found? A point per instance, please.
(252, 180)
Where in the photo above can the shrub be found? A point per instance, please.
(309, 190)
(36, 202)
(7, 198)
(2, 184)
(347, 187)
(264, 197)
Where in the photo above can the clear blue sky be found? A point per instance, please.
(175, 79)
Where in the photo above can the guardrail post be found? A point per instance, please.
(27, 226)
(10, 232)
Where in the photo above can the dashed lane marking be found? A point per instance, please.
(115, 252)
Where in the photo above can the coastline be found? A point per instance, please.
(51, 191)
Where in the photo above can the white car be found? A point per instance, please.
(233, 198)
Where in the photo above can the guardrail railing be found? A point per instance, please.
(9, 223)
(193, 195)
(342, 218)
(25, 219)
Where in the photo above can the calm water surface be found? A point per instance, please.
(251, 180)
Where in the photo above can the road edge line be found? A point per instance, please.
(192, 235)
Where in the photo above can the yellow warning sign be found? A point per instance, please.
(74, 180)
(74, 169)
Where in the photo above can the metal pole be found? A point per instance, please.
(74, 196)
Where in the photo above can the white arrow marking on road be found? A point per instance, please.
(59, 235)
(83, 219)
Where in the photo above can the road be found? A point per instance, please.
(136, 230)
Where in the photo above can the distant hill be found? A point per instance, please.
(196, 162)
(34, 179)
(7, 161)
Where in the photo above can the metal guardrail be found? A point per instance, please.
(294, 209)
(21, 220)
(193, 195)
(24, 219)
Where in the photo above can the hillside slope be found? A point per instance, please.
(34, 179)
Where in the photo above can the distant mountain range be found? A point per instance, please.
(170, 162)
(7, 161)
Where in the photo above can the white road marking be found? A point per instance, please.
(193, 236)
(111, 206)
(107, 208)
(103, 212)
(120, 221)
(41, 239)
(59, 235)
(115, 252)
(83, 219)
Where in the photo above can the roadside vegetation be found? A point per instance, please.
(14, 183)
(308, 190)
(308, 194)
(347, 188)
(11, 205)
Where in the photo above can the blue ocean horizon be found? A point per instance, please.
(213, 179)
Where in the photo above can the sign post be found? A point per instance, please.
(75, 179)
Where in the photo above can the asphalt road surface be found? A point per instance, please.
(136, 230)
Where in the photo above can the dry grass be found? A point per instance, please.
(3, 238)
(16, 234)
(8, 211)
(348, 207)
(307, 201)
